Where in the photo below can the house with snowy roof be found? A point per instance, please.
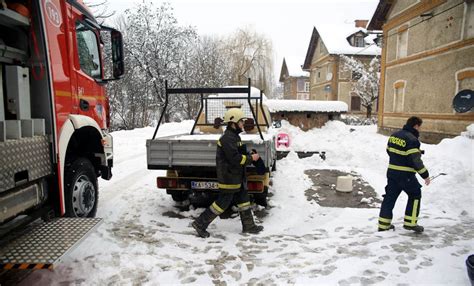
(295, 81)
(427, 58)
(306, 114)
(329, 80)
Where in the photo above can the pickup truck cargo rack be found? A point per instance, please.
(205, 92)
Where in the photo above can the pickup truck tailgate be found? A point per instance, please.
(199, 150)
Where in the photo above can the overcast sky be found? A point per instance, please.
(287, 23)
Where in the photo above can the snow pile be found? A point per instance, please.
(146, 239)
(276, 105)
(167, 129)
(470, 131)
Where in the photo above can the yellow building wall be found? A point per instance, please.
(437, 51)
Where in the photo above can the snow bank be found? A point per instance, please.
(146, 239)
(470, 131)
(276, 105)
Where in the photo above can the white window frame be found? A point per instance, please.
(306, 86)
(468, 23)
(396, 95)
(402, 51)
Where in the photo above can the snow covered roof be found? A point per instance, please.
(276, 105)
(295, 67)
(334, 37)
(292, 68)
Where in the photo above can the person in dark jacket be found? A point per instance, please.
(403, 148)
(231, 159)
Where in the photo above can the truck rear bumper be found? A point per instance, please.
(180, 184)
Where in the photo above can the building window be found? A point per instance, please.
(287, 88)
(465, 79)
(402, 42)
(469, 21)
(88, 50)
(355, 102)
(359, 41)
(399, 96)
(328, 72)
(306, 86)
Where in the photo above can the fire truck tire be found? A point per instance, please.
(81, 189)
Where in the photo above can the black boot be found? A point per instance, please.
(248, 224)
(202, 222)
(415, 228)
(389, 228)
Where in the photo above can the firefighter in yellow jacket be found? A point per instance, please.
(231, 159)
(403, 148)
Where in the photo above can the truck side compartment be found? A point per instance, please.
(54, 117)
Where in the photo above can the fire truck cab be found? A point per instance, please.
(55, 60)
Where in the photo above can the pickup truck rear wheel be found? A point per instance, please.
(81, 190)
(261, 198)
(179, 196)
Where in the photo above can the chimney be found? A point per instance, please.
(361, 23)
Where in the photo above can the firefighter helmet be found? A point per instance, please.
(234, 115)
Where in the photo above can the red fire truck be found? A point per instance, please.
(55, 60)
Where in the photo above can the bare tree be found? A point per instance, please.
(366, 83)
(100, 9)
(250, 56)
(158, 49)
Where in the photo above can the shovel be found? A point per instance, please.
(436, 176)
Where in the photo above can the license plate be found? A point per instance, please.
(204, 185)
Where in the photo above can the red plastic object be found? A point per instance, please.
(283, 139)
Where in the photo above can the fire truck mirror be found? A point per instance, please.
(112, 47)
(117, 54)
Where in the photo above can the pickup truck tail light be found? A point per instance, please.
(255, 186)
(166, 183)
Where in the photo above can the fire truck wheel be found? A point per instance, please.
(81, 191)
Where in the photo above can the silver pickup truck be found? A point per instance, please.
(190, 159)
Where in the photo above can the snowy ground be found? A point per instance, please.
(302, 243)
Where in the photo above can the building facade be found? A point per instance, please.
(329, 80)
(427, 58)
(295, 82)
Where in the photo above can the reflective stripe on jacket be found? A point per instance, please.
(403, 147)
(231, 159)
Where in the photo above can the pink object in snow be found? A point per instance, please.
(283, 139)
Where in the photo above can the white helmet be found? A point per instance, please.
(234, 115)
